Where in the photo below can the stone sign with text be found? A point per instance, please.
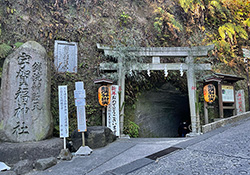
(25, 95)
(65, 54)
(240, 102)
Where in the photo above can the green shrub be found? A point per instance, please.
(4, 50)
(131, 129)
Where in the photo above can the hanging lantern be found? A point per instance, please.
(209, 92)
(104, 95)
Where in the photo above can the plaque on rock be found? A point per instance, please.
(25, 95)
(65, 56)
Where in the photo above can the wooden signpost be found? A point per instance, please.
(189, 53)
(80, 103)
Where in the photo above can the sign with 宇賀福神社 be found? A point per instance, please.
(227, 93)
(113, 115)
(25, 93)
(63, 111)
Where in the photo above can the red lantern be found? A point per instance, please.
(209, 93)
(104, 95)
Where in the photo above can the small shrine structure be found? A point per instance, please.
(225, 87)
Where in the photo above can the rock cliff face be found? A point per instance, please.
(85, 22)
(159, 112)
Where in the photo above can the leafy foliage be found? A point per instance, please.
(131, 129)
(18, 44)
(124, 18)
(4, 50)
(166, 25)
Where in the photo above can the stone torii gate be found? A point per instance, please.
(156, 52)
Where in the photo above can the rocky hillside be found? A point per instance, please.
(144, 23)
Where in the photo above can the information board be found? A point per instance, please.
(65, 54)
(227, 93)
(63, 111)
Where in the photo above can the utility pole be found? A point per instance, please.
(246, 55)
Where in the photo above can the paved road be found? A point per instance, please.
(224, 151)
(114, 155)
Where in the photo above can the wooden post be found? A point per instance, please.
(234, 104)
(206, 112)
(83, 139)
(103, 116)
(64, 142)
(220, 100)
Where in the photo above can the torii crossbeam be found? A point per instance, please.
(156, 52)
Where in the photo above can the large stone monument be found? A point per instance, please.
(25, 95)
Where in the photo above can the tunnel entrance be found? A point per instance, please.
(159, 112)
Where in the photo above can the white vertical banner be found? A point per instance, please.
(63, 111)
(240, 102)
(113, 116)
(80, 103)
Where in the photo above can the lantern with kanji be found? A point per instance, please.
(104, 95)
(209, 92)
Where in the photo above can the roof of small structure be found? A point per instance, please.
(218, 77)
(103, 81)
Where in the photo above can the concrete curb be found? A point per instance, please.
(220, 123)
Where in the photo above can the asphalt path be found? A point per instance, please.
(117, 154)
(225, 151)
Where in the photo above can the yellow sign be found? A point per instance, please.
(104, 95)
(209, 92)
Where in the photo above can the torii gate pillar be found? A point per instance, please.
(121, 84)
(191, 82)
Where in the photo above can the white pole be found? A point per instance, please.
(64, 140)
